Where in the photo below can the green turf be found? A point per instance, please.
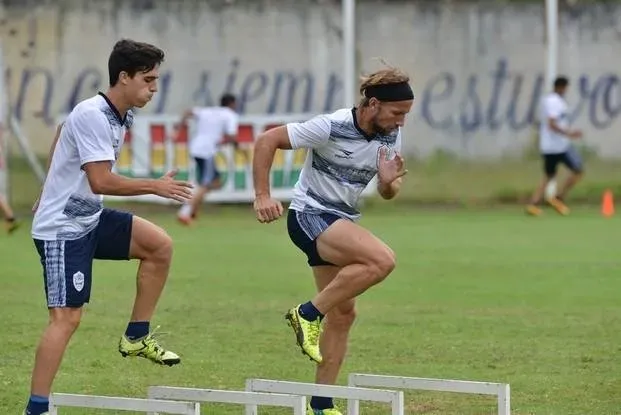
(483, 295)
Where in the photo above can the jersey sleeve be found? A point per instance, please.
(552, 108)
(231, 125)
(309, 134)
(91, 133)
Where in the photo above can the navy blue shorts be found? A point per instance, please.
(206, 171)
(304, 229)
(571, 159)
(68, 265)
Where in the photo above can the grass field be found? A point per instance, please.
(484, 295)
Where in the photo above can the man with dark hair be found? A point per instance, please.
(213, 126)
(555, 146)
(71, 228)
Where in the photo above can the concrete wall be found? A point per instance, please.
(477, 70)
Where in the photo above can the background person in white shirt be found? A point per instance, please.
(214, 126)
(556, 148)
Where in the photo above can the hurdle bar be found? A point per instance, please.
(395, 398)
(501, 390)
(297, 403)
(121, 404)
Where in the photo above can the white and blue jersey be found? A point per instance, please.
(68, 208)
(71, 228)
(340, 163)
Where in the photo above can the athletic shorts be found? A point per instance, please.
(206, 172)
(304, 229)
(571, 159)
(68, 264)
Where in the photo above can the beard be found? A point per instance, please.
(381, 130)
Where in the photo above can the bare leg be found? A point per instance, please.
(539, 191)
(365, 261)
(197, 200)
(190, 211)
(6, 209)
(334, 338)
(153, 247)
(62, 324)
(569, 184)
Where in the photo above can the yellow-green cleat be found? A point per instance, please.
(149, 348)
(306, 333)
(330, 411)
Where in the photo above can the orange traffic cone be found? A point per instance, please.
(608, 204)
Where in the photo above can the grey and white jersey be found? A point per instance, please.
(340, 163)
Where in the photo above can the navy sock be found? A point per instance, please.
(37, 405)
(320, 402)
(137, 329)
(309, 312)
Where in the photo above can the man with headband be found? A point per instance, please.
(346, 149)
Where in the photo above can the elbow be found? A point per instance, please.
(264, 143)
(99, 185)
(273, 139)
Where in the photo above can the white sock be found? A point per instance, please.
(185, 211)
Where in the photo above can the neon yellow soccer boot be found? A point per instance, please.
(329, 411)
(149, 348)
(306, 333)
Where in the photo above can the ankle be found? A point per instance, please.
(320, 402)
(37, 405)
(137, 330)
(309, 312)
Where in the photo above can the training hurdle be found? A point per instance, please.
(500, 390)
(297, 403)
(395, 398)
(122, 404)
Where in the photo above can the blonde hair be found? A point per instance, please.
(388, 75)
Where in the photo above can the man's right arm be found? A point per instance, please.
(553, 112)
(97, 154)
(231, 129)
(103, 181)
(312, 133)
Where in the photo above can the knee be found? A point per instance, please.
(382, 265)
(163, 249)
(66, 319)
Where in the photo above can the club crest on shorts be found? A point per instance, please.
(78, 281)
